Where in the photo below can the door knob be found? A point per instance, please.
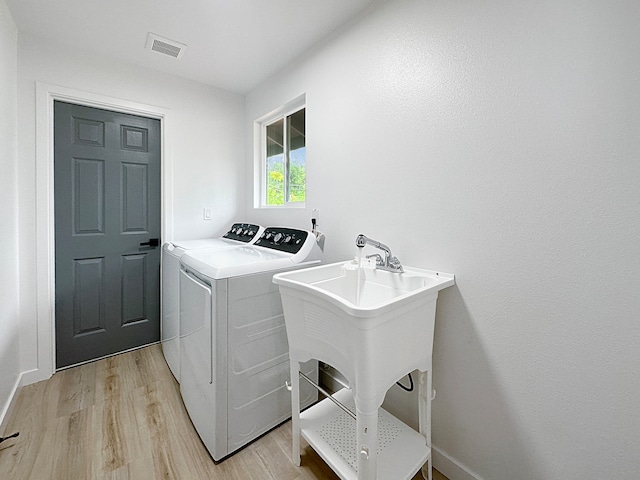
(154, 242)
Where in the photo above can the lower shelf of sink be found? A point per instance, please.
(332, 433)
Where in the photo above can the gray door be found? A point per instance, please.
(107, 207)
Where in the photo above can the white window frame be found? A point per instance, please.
(260, 153)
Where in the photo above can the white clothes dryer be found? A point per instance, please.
(240, 234)
(233, 342)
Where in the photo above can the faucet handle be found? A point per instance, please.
(395, 264)
(378, 258)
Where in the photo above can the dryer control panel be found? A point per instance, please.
(288, 240)
(243, 232)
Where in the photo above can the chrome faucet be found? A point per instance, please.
(389, 263)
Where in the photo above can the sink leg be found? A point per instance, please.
(295, 412)
(424, 419)
(367, 447)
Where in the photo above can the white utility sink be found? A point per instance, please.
(365, 291)
(374, 326)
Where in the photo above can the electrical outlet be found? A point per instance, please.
(207, 214)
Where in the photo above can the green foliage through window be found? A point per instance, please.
(286, 170)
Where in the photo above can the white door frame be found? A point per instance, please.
(45, 226)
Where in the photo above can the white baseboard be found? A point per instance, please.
(8, 406)
(450, 467)
(34, 376)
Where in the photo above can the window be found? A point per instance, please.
(282, 161)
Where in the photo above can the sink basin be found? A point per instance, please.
(365, 291)
(387, 330)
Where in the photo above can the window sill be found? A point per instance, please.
(291, 206)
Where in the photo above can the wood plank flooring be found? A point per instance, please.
(122, 418)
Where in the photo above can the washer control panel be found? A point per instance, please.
(243, 232)
(287, 240)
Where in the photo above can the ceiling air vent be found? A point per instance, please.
(165, 46)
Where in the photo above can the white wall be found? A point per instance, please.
(498, 141)
(9, 306)
(206, 151)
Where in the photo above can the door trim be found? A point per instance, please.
(46, 94)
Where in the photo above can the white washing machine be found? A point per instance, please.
(240, 234)
(233, 343)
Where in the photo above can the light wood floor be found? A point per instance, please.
(123, 418)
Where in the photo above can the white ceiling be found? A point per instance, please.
(231, 44)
